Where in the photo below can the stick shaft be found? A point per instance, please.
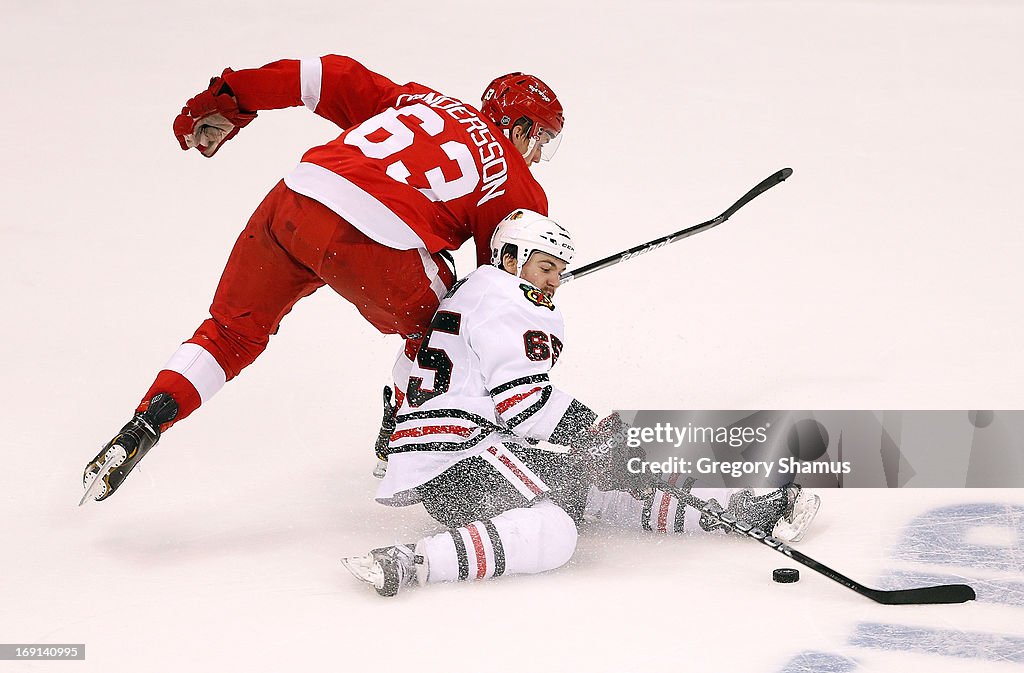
(637, 250)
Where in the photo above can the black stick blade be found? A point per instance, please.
(942, 594)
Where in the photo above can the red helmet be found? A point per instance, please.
(511, 97)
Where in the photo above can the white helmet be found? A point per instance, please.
(530, 232)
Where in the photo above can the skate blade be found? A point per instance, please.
(804, 511)
(96, 488)
(366, 569)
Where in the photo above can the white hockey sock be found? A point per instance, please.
(663, 513)
(199, 367)
(524, 540)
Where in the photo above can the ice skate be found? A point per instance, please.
(388, 569)
(105, 473)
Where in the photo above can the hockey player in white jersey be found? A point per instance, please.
(479, 401)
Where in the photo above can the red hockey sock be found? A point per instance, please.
(178, 387)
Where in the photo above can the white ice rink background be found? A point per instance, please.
(885, 274)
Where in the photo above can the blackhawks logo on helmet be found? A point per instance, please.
(535, 296)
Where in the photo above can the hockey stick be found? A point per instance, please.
(637, 250)
(943, 593)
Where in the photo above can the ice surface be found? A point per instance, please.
(884, 274)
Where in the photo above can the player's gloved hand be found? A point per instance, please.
(387, 425)
(606, 452)
(210, 118)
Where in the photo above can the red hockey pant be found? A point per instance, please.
(291, 246)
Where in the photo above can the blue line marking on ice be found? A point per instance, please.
(943, 642)
(981, 544)
(819, 662)
(956, 535)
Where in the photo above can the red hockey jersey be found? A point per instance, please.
(413, 169)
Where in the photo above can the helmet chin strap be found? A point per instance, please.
(529, 148)
(524, 257)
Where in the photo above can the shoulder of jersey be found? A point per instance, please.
(495, 289)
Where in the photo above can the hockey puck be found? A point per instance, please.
(786, 575)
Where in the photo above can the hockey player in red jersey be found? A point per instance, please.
(414, 174)
(466, 439)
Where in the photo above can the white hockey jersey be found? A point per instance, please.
(480, 379)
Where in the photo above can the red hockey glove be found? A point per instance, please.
(211, 118)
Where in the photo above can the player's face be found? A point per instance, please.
(544, 271)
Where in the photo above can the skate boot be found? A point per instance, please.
(785, 512)
(389, 569)
(105, 473)
(387, 428)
